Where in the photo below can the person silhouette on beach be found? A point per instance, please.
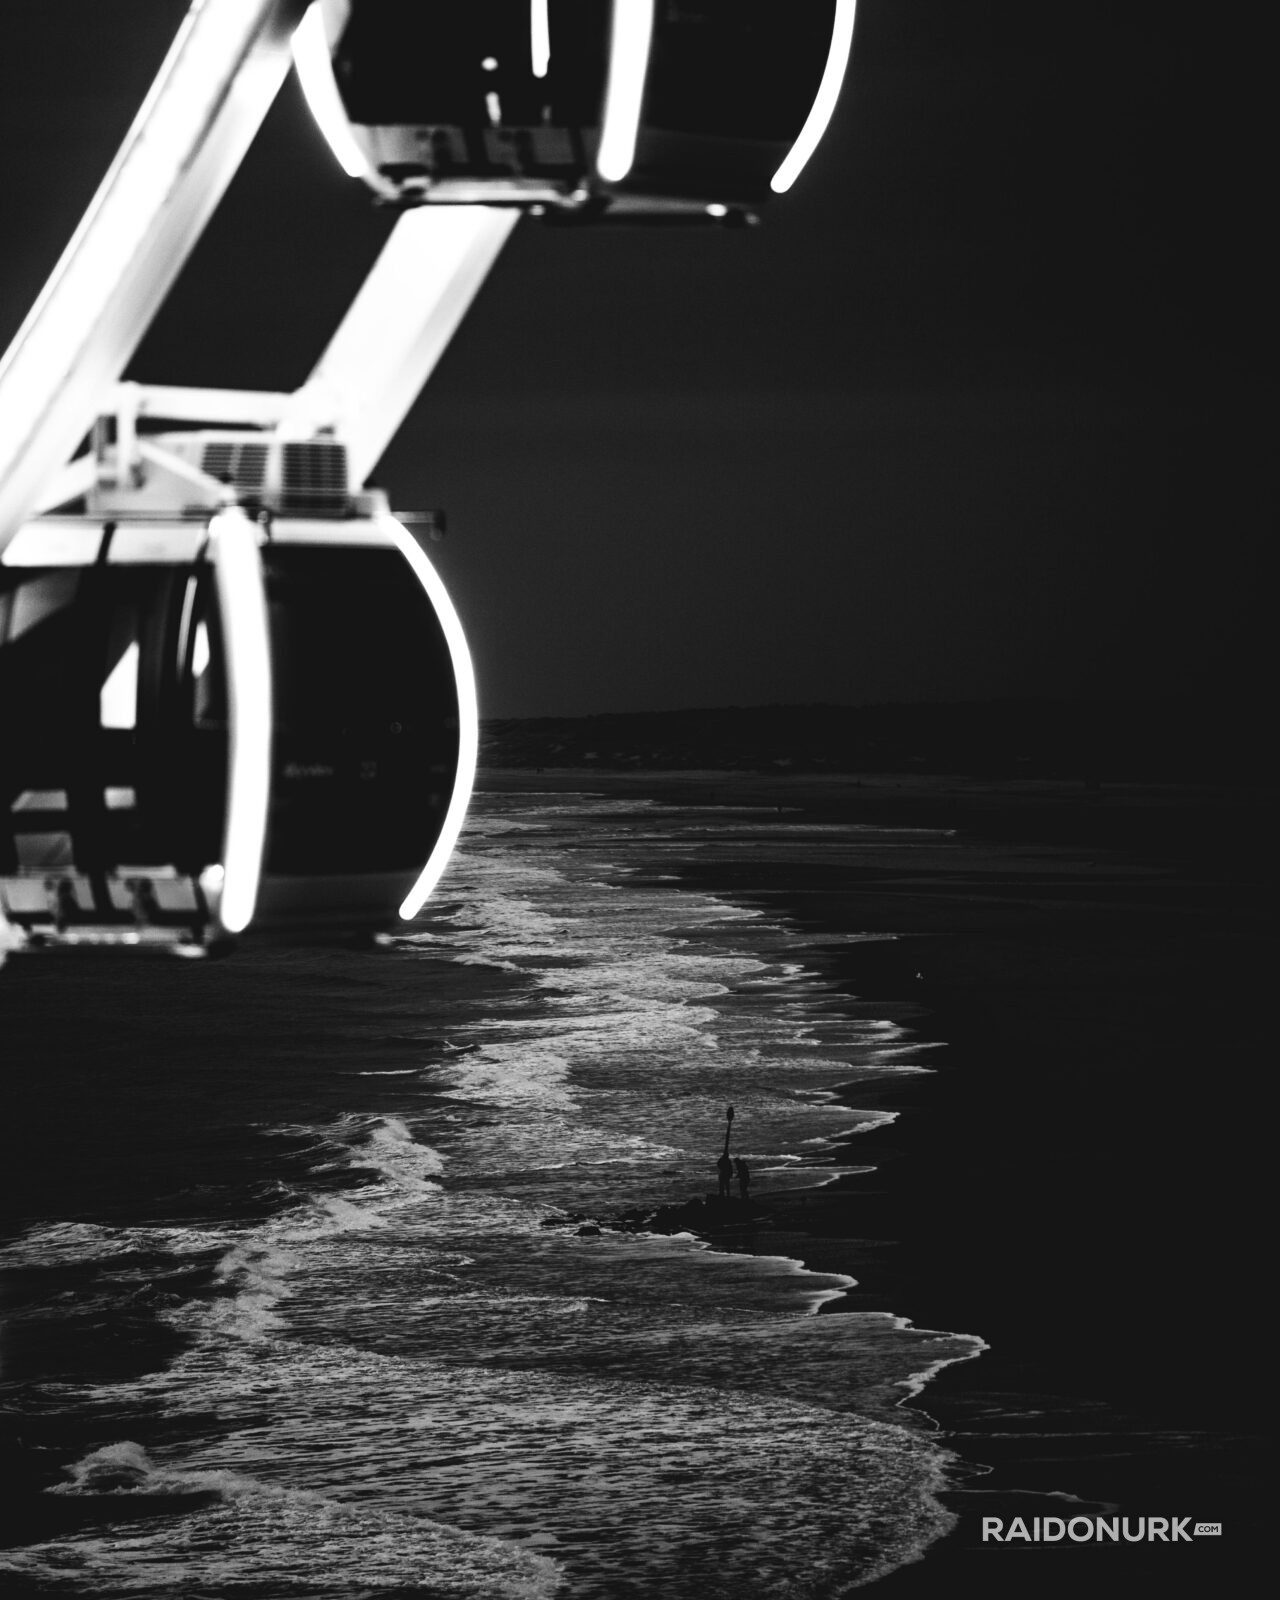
(744, 1178)
(724, 1166)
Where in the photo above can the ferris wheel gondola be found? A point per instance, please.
(575, 108)
(264, 715)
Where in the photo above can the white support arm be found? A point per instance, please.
(398, 327)
(215, 87)
(201, 482)
(229, 408)
(68, 483)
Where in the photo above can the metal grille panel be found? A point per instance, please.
(314, 477)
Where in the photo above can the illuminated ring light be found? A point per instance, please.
(237, 566)
(468, 715)
(630, 40)
(824, 103)
(539, 37)
(315, 76)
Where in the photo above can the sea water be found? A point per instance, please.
(384, 1358)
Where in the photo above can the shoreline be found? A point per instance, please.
(1032, 1191)
(1092, 971)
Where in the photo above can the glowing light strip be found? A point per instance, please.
(629, 44)
(118, 697)
(468, 715)
(539, 37)
(825, 101)
(315, 75)
(243, 606)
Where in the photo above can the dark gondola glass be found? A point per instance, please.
(366, 714)
(584, 108)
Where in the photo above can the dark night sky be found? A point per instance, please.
(977, 411)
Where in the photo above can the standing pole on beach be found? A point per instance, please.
(728, 1130)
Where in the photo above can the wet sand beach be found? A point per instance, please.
(1079, 1181)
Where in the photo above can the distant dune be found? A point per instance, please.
(1150, 741)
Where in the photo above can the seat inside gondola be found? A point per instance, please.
(114, 748)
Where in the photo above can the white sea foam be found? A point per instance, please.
(248, 1534)
(510, 1075)
(690, 1486)
(333, 1214)
(438, 1339)
(257, 1276)
(394, 1149)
